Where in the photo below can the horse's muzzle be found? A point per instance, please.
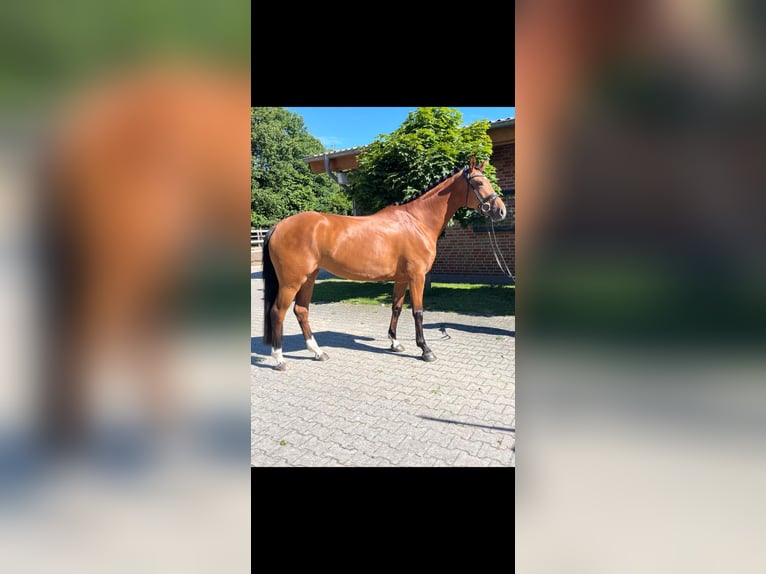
(496, 211)
(493, 207)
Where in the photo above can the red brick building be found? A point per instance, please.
(461, 251)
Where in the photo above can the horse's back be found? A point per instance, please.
(366, 248)
(313, 229)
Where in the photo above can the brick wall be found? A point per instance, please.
(468, 252)
(503, 158)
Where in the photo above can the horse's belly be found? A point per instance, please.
(357, 271)
(366, 251)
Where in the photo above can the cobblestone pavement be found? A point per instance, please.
(367, 406)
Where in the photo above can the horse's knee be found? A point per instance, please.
(301, 312)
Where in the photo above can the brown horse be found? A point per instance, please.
(398, 243)
(143, 170)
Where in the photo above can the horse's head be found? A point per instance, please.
(480, 195)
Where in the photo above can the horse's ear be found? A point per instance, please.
(481, 165)
(472, 162)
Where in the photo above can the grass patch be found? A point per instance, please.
(467, 298)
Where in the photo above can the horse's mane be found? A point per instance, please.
(429, 187)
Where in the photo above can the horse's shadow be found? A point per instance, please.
(294, 347)
(445, 327)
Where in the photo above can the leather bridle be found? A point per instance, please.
(485, 203)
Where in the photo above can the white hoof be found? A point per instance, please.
(281, 364)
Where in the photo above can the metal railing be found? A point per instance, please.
(257, 235)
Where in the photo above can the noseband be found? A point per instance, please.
(485, 203)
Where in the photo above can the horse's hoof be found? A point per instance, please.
(280, 367)
(322, 357)
(429, 357)
(398, 348)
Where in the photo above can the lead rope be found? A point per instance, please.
(492, 237)
(497, 252)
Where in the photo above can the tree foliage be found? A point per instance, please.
(47, 46)
(428, 146)
(281, 182)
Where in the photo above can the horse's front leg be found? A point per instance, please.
(416, 295)
(396, 309)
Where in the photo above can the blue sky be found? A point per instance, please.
(339, 128)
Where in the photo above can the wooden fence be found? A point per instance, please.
(257, 235)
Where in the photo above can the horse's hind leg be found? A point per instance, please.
(278, 310)
(301, 310)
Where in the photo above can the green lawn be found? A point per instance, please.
(468, 298)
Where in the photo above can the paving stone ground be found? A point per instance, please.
(367, 406)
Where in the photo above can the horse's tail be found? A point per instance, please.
(270, 289)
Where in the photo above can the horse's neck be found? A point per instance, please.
(436, 207)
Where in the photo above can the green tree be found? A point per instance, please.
(281, 182)
(48, 47)
(428, 146)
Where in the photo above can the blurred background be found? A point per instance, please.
(641, 281)
(640, 309)
(124, 178)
